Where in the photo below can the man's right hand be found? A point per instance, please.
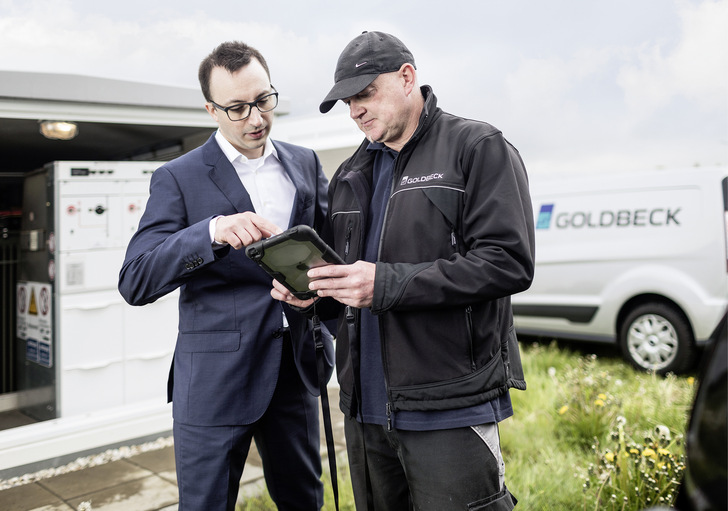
(281, 293)
(242, 229)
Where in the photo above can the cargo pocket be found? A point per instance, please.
(488, 433)
(502, 501)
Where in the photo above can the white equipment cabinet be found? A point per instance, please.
(92, 369)
(110, 354)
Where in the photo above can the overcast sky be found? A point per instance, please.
(575, 85)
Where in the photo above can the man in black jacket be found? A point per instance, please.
(433, 217)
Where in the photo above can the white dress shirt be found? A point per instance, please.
(266, 181)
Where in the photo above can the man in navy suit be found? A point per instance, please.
(244, 365)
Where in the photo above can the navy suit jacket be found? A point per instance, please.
(229, 345)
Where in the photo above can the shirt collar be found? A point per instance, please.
(233, 154)
(379, 146)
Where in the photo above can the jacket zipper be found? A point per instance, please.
(347, 244)
(469, 321)
(388, 405)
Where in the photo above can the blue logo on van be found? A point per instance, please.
(544, 216)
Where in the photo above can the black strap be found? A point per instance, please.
(321, 368)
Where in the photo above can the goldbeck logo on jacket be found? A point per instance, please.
(406, 180)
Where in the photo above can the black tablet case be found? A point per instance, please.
(289, 255)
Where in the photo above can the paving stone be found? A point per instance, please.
(93, 479)
(30, 497)
(253, 456)
(157, 461)
(147, 494)
(251, 473)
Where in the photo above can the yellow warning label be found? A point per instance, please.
(33, 307)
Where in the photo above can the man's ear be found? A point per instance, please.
(409, 76)
(211, 110)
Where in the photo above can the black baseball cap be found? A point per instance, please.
(366, 57)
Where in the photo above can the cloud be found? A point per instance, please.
(579, 87)
(591, 108)
(59, 36)
(696, 68)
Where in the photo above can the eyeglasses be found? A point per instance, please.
(241, 111)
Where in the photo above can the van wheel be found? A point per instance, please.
(656, 337)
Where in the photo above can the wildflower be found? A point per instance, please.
(603, 397)
(649, 453)
(663, 452)
(690, 380)
(609, 456)
(563, 409)
(599, 402)
(663, 433)
(552, 372)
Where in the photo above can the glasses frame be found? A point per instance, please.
(251, 104)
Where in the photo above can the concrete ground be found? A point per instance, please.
(143, 482)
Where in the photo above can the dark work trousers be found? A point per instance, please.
(210, 460)
(442, 470)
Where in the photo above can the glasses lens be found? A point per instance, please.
(238, 113)
(267, 103)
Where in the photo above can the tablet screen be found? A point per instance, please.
(289, 255)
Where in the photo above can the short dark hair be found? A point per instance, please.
(231, 55)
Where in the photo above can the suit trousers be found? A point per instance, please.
(441, 470)
(210, 459)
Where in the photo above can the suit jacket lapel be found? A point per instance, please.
(224, 176)
(293, 168)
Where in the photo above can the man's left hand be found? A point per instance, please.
(350, 284)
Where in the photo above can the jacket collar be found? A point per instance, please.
(429, 113)
(361, 160)
(223, 174)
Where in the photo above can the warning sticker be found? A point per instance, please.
(35, 321)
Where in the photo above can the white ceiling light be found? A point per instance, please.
(58, 130)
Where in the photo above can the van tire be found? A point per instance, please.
(656, 337)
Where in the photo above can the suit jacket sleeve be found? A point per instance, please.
(166, 250)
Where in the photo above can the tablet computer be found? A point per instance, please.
(288, 256)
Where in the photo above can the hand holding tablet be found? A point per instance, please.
(288, 256)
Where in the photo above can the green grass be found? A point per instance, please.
(549, 454)
(568, 445)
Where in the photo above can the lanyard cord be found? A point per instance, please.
(321, 368)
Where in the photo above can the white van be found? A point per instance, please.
(639, 259)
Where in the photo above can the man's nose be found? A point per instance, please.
(355, 110)
(256, 117)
